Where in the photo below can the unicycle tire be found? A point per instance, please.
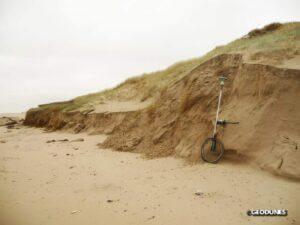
(212, 155)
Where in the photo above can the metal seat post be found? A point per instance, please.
(222, 83)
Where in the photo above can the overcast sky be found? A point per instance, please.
(53, 50)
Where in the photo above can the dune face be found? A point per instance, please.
(263, 98)
(171, 112)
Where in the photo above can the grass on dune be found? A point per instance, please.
(286, 38)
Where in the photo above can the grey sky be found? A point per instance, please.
(52, 50)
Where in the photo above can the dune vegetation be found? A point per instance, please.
(272, 45)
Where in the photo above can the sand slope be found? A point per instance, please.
(264, 99)
(53, 183)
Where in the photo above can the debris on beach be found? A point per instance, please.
(75, 211)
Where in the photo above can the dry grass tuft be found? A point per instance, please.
(266, 29)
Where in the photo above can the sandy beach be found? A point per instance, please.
(149, 113)
(65, 182)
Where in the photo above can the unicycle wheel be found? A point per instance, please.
(212, 150)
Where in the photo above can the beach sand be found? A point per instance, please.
(66, 183)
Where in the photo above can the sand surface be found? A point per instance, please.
(66, 183)
(117, 106)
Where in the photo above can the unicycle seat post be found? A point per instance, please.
(222, 83)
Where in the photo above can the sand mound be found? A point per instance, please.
(266, 29)
(10, 119)
(265, 100)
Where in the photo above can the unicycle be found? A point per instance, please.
(212, 149)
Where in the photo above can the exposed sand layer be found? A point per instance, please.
(117, 106)
(66, 182)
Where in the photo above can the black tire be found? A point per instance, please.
(212, 156)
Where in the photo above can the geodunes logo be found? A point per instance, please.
(267, 212)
